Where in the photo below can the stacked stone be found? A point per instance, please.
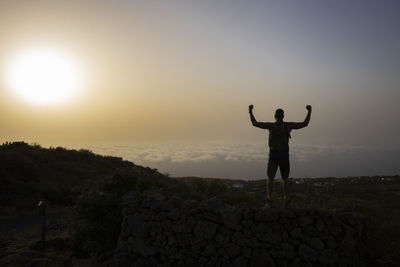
(160, 230)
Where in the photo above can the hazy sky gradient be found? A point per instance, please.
(166, 71)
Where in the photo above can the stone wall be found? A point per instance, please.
(160, 230)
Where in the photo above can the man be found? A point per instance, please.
(279, 134)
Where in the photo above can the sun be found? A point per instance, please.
(44, 75)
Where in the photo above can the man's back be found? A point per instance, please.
(279, 136)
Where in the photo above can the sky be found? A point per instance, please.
(167, 84)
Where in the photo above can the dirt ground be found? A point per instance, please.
(20, 240)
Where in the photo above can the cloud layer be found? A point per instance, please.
(248, 161)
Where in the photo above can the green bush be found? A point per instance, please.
(28, 171)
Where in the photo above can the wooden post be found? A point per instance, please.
(42, 213)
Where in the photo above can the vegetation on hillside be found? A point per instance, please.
(30, 172)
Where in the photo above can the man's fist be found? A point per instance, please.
(308, 107)
(251, 108)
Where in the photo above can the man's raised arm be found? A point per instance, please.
(299, 125)
(262, 125)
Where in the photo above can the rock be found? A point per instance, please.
(183, 239)
(134, 225)
(309, 231)
(285, 236)
(329, 257)
(247, 223)
(231, 219)
(275, 237)
(161, 216)
(248, 233)
(261, 258)
(331, 242)
(349, 239)
(44, 262)
(209, 250)
(212, 261)
(205, 229)
(212, 204)
(222, 239)
(222, 252)
(197, 246)
(171, 241)
(247, 214)
(295, 233)
(317, 244)
(232, 249)
(223, 262)
(188, 224)
(266, 215)
(189, 204)
(307, 253)
(167, 205)
(246, 252)
(132, 199)
(174, 214)
(287, 214)
(293, 241)
(203, 261)
(190, 261)
(305, 221)
(21, 258)
(167, 226)
(225, 230)
(270, 236)
(288, 251)
(239, 239)
(259, 229)
(210, 216)
(140, 247)
(240, 262)
(254, 242)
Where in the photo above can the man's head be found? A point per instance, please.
(279, 114)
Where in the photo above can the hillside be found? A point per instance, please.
(31, 172)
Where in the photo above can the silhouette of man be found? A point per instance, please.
(279, 134)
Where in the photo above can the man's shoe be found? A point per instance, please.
(268, 204)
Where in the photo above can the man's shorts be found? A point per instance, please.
(283, 164)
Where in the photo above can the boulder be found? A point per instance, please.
(288, 251)
(205, 229)
(317, 244)
(306, 253)
(231, 219)
(261, 258)
(329, 257)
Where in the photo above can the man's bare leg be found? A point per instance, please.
(270, 185)
(271, 172)
(285, 188)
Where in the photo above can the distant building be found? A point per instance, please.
(317, 184)
(239, 186)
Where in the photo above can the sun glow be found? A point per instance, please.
(44, 76)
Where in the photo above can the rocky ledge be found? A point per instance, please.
(162, 230)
